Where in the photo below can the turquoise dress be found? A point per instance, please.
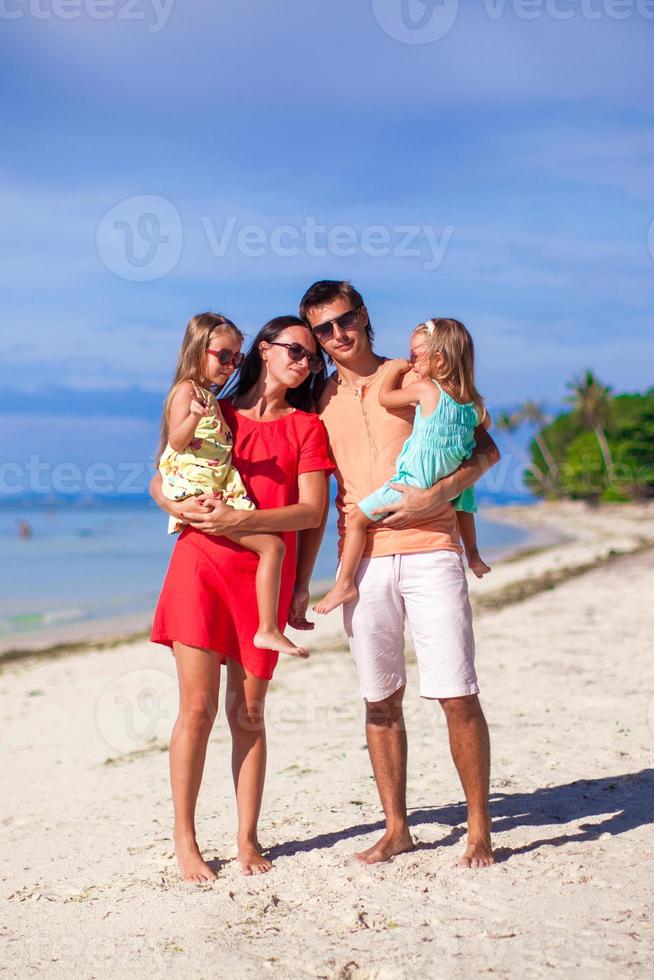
(437, 446)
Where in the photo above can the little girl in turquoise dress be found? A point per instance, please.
(448, 409)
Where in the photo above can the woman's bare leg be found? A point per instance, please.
(468, 532)
(198, 672)
(245, 702)
(353, 547)
(271, 549)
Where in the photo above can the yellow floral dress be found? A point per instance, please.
(205, 465)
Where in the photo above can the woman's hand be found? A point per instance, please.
(297, 617)
(211, 515)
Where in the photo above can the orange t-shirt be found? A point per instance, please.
(365, 441)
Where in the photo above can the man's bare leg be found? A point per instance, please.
(470, 746)
(387, 745)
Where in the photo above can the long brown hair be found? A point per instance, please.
(191, 359)
(306, 395)
(451, 339)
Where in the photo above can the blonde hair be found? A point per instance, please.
(451, 339)
(191, 360)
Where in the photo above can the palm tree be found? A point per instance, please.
(591, 401)
(509, 423)
(534, 413)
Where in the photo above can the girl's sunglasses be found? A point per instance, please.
(325, 331)
(297, 353)
(227, 357)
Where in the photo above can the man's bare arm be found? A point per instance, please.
(418, 506)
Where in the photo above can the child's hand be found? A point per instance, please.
(401, 365)
(198, 408)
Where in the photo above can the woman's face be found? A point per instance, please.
(215, 372)
(278, 362)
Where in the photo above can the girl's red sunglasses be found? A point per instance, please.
(227, 357)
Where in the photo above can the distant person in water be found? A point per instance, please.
(25, 530)
(448, 410)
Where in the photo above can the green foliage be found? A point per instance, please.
(603, 449)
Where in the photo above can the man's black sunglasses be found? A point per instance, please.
(325, 331)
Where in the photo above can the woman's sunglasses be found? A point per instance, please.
(227, 357)
(297, 353)
(325, 331)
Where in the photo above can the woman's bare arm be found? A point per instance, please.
(211, 515)
(309, 542)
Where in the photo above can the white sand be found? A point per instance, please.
(89, 882)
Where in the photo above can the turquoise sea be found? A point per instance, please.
(99, 559)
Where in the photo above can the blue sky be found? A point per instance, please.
(520, 143)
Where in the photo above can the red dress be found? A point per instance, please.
(208, 597)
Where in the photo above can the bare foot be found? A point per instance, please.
(252, 861)
(387, 847)
(336, 597)
(478, 566)
(479, 852)
(192, 867)
(274, 640)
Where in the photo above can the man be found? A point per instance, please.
(412, 567)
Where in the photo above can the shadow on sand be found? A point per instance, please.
(623, 802)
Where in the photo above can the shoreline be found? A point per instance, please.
(566, 539)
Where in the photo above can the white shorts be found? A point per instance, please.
(429, 589)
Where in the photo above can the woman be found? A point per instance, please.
(207, 609)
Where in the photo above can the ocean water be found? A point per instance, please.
(103, 559)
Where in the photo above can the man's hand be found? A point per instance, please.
(297, 617)
(415, 507)
(209, 514)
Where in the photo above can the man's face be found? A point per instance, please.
(343, 341)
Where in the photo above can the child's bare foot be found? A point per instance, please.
(477, 565)
(336, 597)
(274, 640)
(252, 860)
(192, 866)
